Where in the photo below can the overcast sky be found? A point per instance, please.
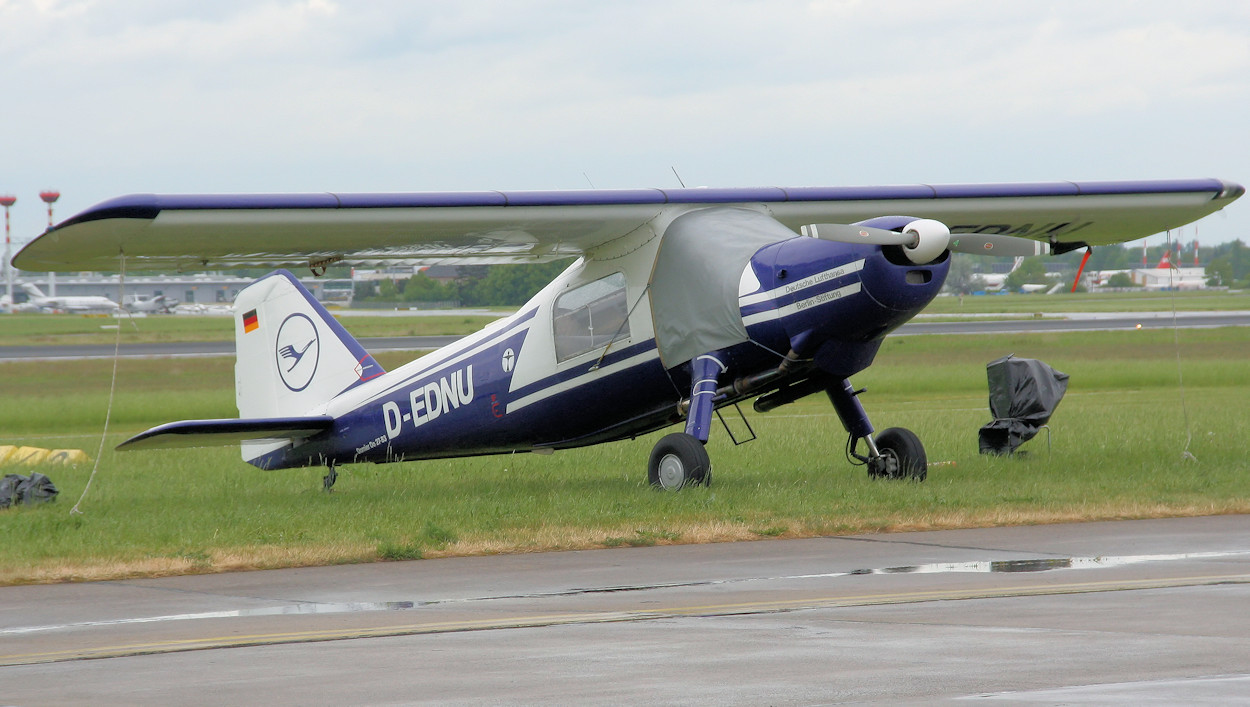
(110, 97)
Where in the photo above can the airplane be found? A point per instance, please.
(74, 304)
(994, 282)
(681, 302)
(158, 304)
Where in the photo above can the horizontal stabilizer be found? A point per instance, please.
(213, 433)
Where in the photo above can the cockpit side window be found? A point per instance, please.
(590, 317)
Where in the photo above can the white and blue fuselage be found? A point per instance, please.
(510, 388)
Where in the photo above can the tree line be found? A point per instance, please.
(474, 286)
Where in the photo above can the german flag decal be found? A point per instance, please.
(250, 322)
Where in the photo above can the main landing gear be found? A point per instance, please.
(680, 459)
(896, 453)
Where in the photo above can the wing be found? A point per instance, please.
(192, 232)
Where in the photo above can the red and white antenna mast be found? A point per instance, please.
(49, 197)
(6, 201)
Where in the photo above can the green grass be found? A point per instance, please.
(1196, 300)
(1117, 452)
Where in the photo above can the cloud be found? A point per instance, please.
(127, 95)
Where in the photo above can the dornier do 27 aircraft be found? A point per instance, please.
(680, 302)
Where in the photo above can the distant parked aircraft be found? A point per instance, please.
(80, 304)
(160, 304)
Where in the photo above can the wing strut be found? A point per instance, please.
(1081, 269)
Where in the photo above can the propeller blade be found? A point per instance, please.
(842, 233)
(990, 244)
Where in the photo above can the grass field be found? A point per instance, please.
(1120, 439)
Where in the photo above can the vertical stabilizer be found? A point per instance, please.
(291, 356)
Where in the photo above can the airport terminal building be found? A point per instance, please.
(200, 288)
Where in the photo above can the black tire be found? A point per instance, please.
(904, 454)
(679, 460)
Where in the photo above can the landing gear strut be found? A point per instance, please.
(896, 453)
(327, 481)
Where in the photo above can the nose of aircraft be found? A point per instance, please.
(895, 283)
(827, 291)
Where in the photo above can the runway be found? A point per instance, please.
(1100, 613)
(969, 325)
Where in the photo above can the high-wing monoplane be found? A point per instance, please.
(680, 302)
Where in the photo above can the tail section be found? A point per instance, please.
(292, 356)
(33, 291)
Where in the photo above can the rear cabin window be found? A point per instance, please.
(591, 316)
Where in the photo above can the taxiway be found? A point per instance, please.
(1099, 613)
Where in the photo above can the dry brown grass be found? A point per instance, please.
(556, 539)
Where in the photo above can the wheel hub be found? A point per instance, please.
(885, 466)
(672, 472)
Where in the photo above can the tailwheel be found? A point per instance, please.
(900, 455)
(679, 460)
(327, 481)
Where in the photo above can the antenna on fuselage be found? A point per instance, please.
(679, 179)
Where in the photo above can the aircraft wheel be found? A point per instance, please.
(679, 460)
(902, 456)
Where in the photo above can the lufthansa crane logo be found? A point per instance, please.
(297, 351)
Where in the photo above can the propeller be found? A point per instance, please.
(923, 240)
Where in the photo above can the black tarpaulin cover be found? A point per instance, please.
(16, 489)
(1024, 393)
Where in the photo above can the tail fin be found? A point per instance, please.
(33, 291)
(292, 356)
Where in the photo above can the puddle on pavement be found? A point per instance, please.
(1020, 565)
(1030, 565)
